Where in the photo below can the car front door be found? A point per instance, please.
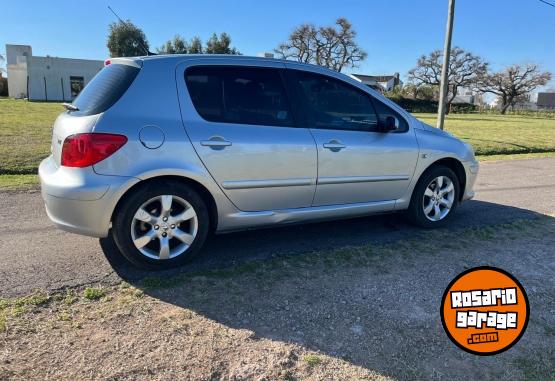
(356, 162)
(239, 119)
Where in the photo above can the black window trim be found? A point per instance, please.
(292, 83)
(294, 112)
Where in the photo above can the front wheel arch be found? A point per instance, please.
(454, 165)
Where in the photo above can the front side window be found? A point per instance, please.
(244, 95)
(332, 104)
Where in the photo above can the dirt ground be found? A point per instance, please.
(360, 312)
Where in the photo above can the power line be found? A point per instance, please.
(548, 3)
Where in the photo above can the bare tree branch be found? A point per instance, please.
(513, 83)
(464, 69)
(332, 46)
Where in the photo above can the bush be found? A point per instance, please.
(415, 105)
(463, 108)
(423, 105)
(92, 293)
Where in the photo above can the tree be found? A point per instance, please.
(176, 46)
(195, 46)
(2, 70)
(332, 46)
(220, 45)
(126, 40)
(464, 69)
(215, 45)
(425, 92)
(513, 83)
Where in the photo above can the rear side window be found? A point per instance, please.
(244, 95)
(105, 89)
(332, 104)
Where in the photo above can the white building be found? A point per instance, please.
(46, 78)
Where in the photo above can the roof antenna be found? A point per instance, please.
(148, 53)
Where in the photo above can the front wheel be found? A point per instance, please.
(161, 225)
(435, 198)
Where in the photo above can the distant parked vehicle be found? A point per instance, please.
(157, 151)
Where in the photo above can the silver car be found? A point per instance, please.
(157, 151)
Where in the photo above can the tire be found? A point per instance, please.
(169, 234)
(424, 196)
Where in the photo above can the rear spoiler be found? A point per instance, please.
(135, 62)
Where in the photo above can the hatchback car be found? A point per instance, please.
(157, 151)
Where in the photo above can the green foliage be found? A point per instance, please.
(215, 45)
(220, 45)
(415, 105)
(126, 40)
(426, 105)
(312, 360)
(179, 46)
(176, 46)
(93, 293)
(463, 108)
(195, 46)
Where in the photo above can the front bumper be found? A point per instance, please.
(78, 200)
(471, 168)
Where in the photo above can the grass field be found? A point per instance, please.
(500, 134)
(26, 127)
(25, 133)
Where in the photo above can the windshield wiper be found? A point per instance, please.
(70, 107)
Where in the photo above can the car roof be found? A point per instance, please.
(224, 57)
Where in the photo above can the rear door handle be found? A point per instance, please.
(334, 145)
(215, 142)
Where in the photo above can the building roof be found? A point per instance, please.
(546, 100)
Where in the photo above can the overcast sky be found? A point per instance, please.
(393, 32)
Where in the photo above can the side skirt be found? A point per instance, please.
(252, 220)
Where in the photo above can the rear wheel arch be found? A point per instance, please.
(198, 187)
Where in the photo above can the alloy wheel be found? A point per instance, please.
(438, 199)
(164, 227)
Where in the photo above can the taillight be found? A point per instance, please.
(83, 150)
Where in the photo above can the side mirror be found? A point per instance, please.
(390, 124)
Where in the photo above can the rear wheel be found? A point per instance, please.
(435, 198)
(161, 225)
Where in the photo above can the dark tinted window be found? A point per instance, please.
(384, 111)
(76, 84)
(243, 95)
(105, 89)
(332, 104)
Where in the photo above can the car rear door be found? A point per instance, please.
(240, 122)
(356, 162)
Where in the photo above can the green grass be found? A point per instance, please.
(92, 293)
(492, 134)
(312, 360)
(26, 128)
(18, 182)
(25, 133)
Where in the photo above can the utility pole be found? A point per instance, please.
(445, 69)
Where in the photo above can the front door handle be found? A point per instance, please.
(215, 142)
(334, 145)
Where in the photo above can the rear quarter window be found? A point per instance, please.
(105, 89)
